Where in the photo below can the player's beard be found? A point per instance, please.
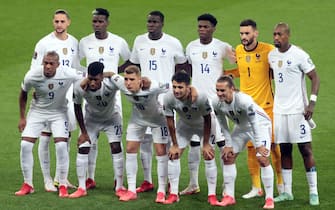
(60, 31)
(248, 42)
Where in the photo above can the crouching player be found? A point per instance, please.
(100, 116)
(194, 119)
(251, 122)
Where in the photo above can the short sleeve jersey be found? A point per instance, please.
(100, 103)
(49, 93)
(207, 64)
(254, 69)
(243, 111)
(289, 69)
(190, 113)
(157, 58)
(146, 110)
(67, 50)
(108, 51)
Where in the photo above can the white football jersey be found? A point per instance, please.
(49, 93)
(188, 112)
(244, 112)
(67, 51)
(100, 104)
(107, 51)
(207, 64)
(147, 111)
(289, 69)
(157, 58)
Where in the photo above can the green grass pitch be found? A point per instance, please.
(24, 22)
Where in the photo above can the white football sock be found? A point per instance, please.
(162, 172)
(44, 156)
(193, 164)
(62, 162)
(82, 162)
(229, 174)
(146, 157)
(92, 160)
(287, 178)
(27, 161)
(211, 175)
(118, 166)
(312, 182)
(267, 179)
(131, 170)
(173, 175)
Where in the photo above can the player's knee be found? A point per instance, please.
(115, 147)
(84, 148)
(263, 161)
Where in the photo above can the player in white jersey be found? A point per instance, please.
(66, 47)
(100, 116)
(292, 111)
(146, 112)
(48, 108)
(158, 55)
(250, 122)
(107, 48)
(194, 119)
(205, 56)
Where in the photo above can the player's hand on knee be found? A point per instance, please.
(83, 138)
(208, 152)
(262, 151)
(227, 153)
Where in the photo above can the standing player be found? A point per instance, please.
(66, 47)
(146, 112)
(100, 116)
(205, 55)
(251, 122)
(107, 48)
(48, 107)
(194, 119)
(292, 111)
(255, 80)
(157, 54)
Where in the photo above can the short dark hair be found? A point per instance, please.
(133, 69)
(52, 54)
(62, 11)
(101, 11)
(228, 79)
(181, 76)
(158, 13)
(249, 22)
(285, 26)
(209, 18)
(95, 68)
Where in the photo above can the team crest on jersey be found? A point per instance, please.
(163, 51)
(204, 55)
(280, 63)
(214, 54)
(50, 86)
(65, 51)
(247, 58)
(185, 109)
(101, 50)
(152, 51)
(258, 56)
